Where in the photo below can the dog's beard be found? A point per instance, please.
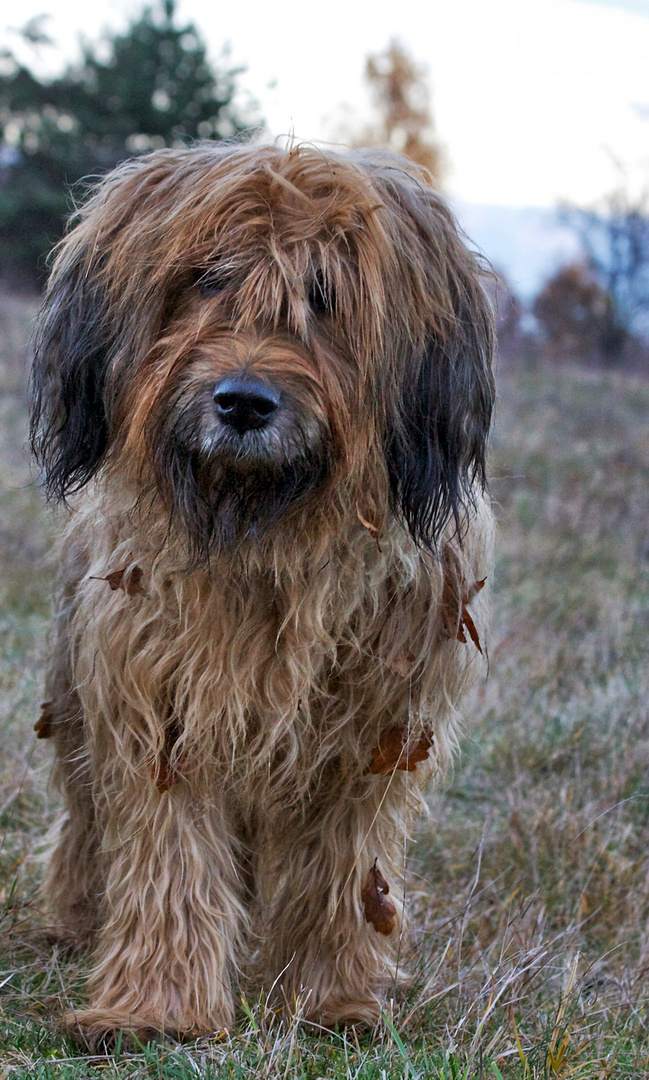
(222, 490)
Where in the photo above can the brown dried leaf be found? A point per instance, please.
(393, 752)
(379, 911)
(418, 753)
(402, 664)
(387, 755)
(473, 591)
(468, 622)
(44, 726)
(162, 773)
(131, 584)
(456, 594)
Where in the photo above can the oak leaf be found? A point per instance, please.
(44, 726)
(130, 583)
(419, 751)
(379, 911)
(393, 751)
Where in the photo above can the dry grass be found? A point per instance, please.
(529, 884)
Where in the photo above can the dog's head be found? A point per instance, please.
(243, 331)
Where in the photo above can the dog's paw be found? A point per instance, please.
(69, 940)
(346, 1012)
(104, 1029)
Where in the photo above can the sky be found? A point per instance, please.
(536, 102)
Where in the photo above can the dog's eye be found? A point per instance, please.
(211, 283)
(321, 299)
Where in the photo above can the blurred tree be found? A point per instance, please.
(148, 87)
(402, 98)
(615, 239)
(579, 318)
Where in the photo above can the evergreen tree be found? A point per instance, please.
(154, 86)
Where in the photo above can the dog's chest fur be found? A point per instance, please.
(262, 665)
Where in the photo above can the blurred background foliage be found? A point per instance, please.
(153, 85)
(149, 87)
(404, 120)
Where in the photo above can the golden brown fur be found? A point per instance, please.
(278, 599)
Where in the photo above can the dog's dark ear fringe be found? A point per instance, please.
(436, 448)
(438, 423)
(70, 358)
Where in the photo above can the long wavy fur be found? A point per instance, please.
(240, 621)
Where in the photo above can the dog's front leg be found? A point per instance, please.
(322, 953)
(173, 917)
(75, 880)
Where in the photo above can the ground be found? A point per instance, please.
(529, 882)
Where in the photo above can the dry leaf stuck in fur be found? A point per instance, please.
(456, 595)
(387, 755)
(130, 583)
(44, 726)
(419, 752)
(379, 911)
(162, 773)
(467, 623)
(393, 751)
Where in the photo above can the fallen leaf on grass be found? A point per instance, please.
(130, 583)
(379, 911)
(393, 751)
(44, 726)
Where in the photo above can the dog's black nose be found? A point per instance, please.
(245, 402)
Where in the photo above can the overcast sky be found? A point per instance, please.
(534, 99)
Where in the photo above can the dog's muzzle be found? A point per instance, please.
(244, 402)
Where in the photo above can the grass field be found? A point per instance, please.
(529, 883)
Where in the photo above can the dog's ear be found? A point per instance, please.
(71, 348)
(437, 433)
(436, 447)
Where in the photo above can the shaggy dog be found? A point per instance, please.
(265, 377)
